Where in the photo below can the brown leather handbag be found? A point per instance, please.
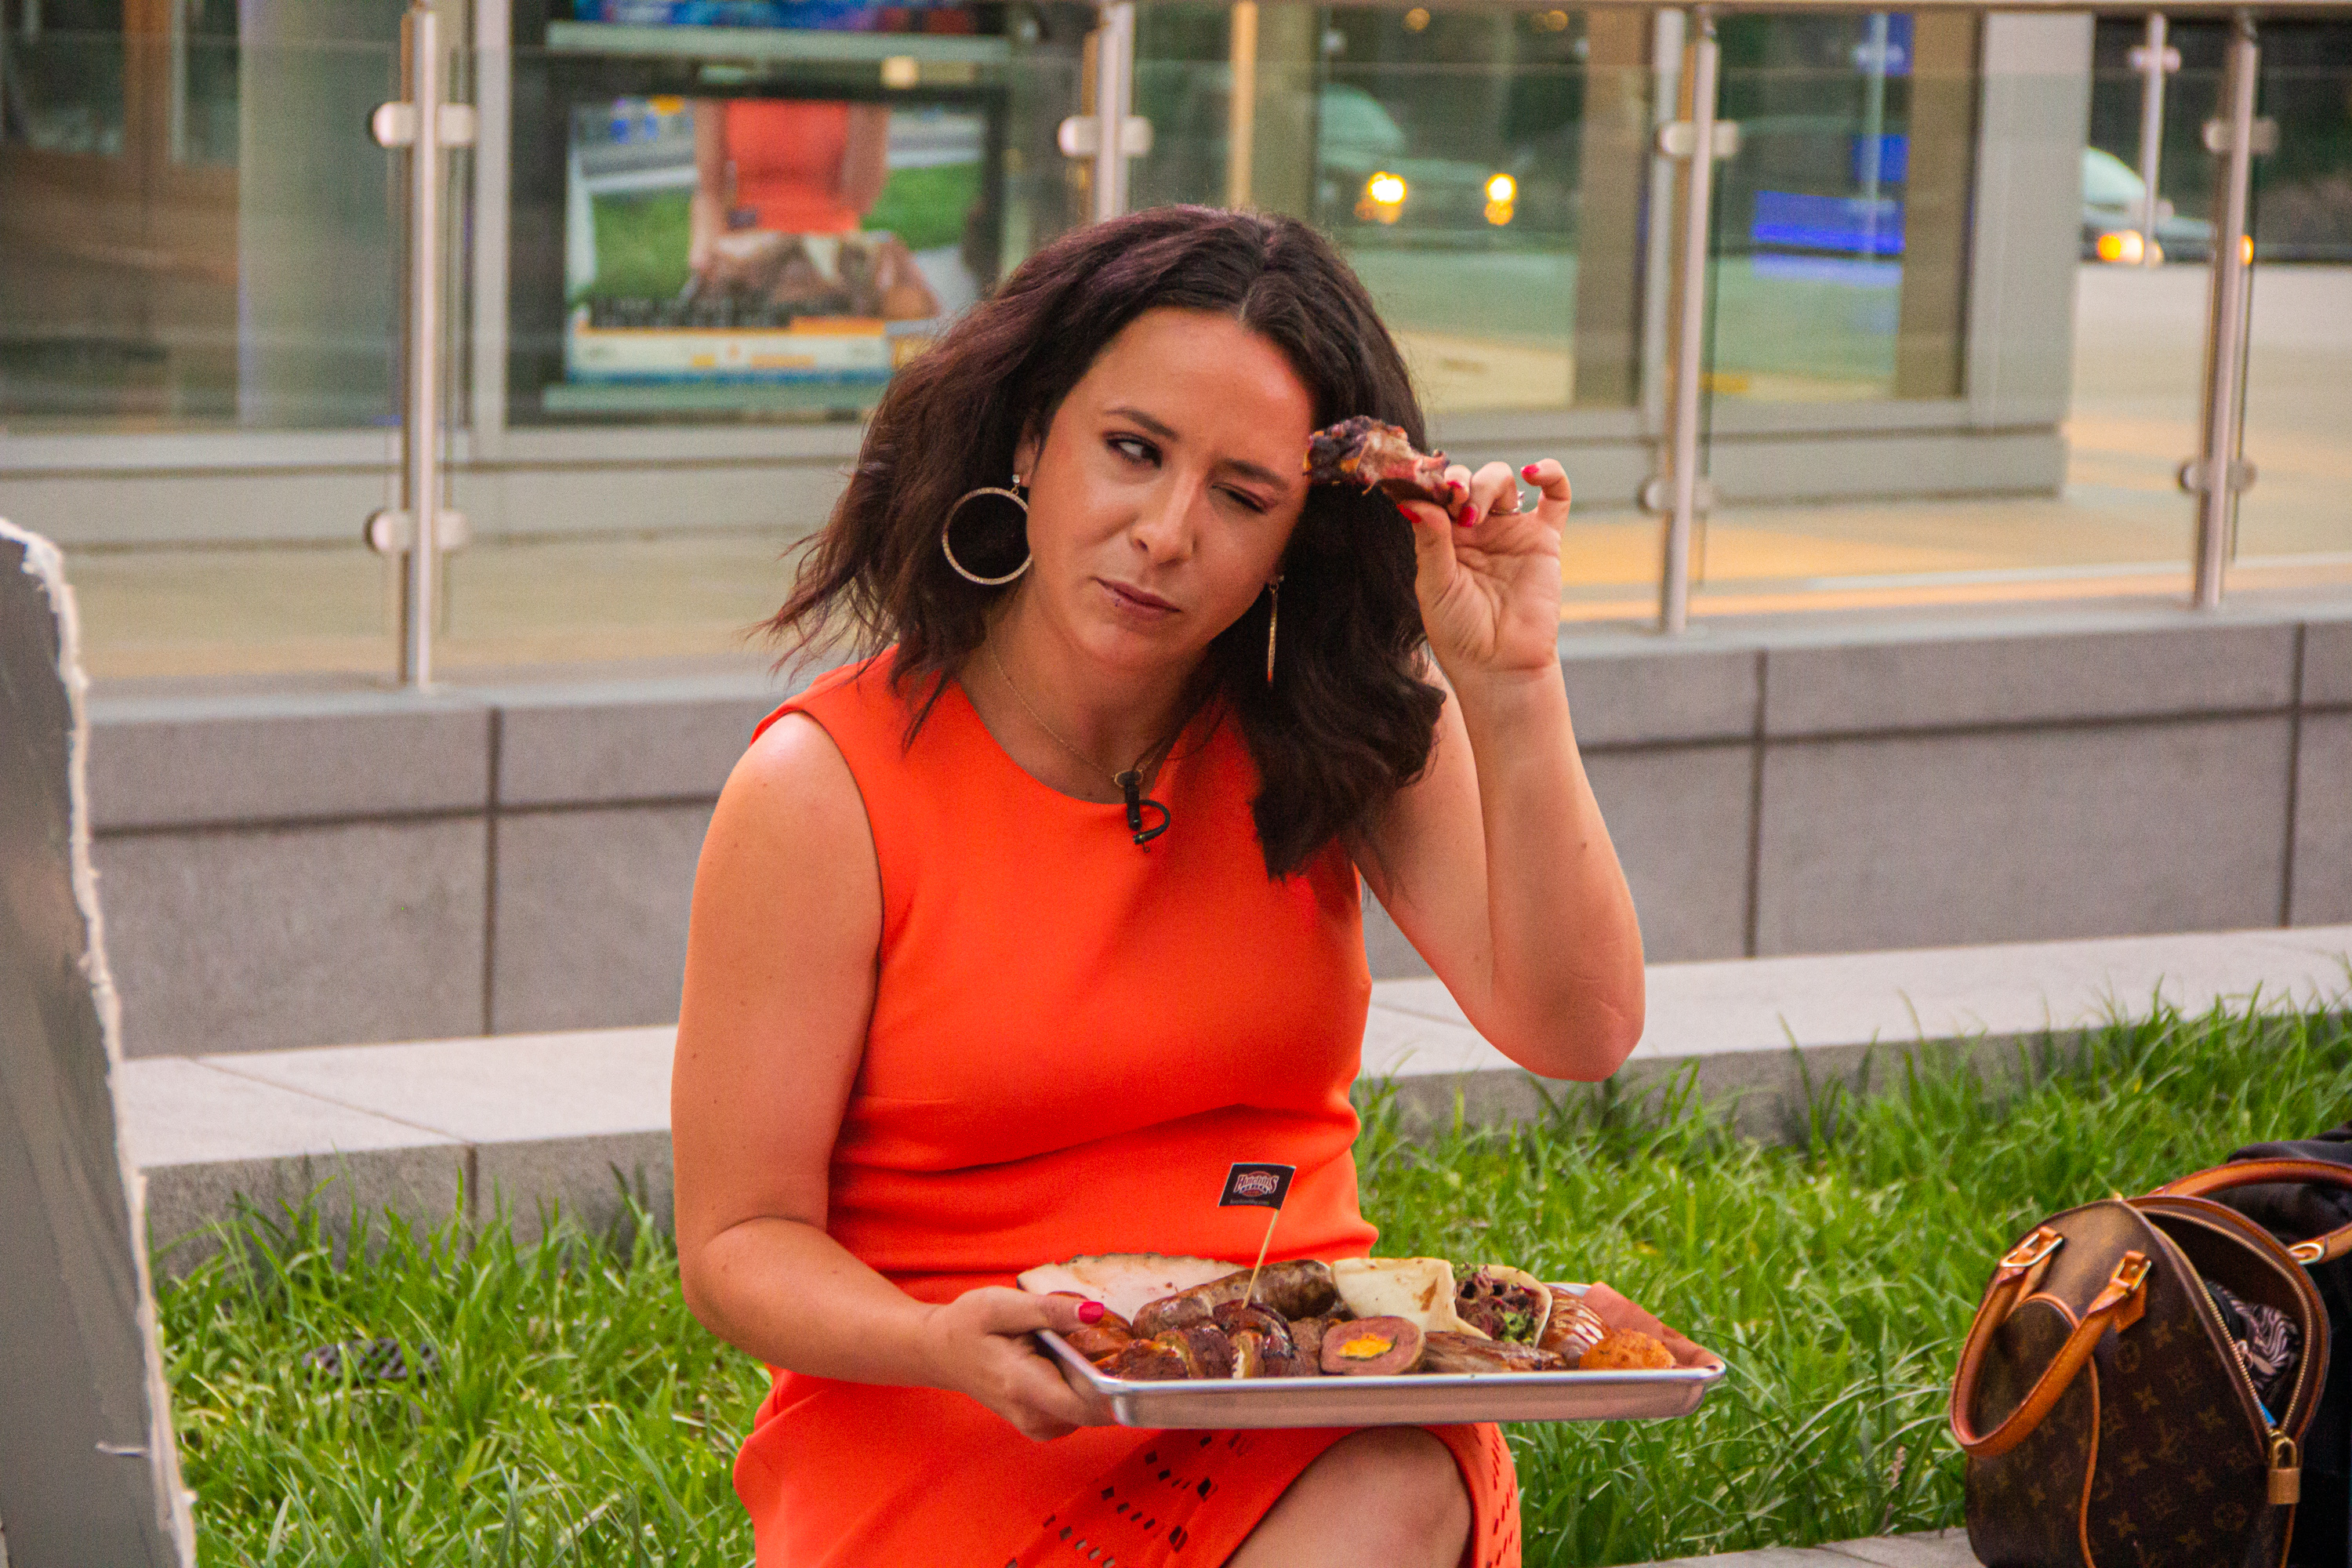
(2111, 1416)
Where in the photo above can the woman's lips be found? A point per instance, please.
(1127, 596)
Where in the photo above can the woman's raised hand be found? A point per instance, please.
(977, 1345)
(1488, 576)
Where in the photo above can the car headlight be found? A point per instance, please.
(2121, 245)
(1386, 189)
(1502, 189)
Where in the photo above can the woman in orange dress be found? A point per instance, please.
(1009, 937)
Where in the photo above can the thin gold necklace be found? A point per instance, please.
(1129, 784)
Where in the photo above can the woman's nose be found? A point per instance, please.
(1164, 529)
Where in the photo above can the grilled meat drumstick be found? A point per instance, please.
(1371, 456)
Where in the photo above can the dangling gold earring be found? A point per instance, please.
(1273, 612)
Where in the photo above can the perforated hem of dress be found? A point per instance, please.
(1195, 1497)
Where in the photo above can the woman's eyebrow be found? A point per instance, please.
(1239, 466)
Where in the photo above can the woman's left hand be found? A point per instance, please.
(1488, 576)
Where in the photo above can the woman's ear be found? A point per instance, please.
(1024, 456)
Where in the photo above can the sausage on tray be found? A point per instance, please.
(1295, 1290)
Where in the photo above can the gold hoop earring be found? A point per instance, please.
(1273, 612)
(948, 549)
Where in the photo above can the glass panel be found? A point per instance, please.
(1841, 222)
(61, 77)
(2293, 526)
(203, 83)
(182, 612)
(764, 210)
(1455, 156)
(231, 262)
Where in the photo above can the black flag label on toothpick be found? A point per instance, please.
(1256, 1185)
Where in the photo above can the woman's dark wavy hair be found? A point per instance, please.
(1349, 718)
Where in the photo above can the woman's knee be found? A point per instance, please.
(1406, 1485)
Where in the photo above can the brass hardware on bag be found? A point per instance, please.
(2286, 1471)
(2307, 1252)
(2132, 1272)
(2033, 1249)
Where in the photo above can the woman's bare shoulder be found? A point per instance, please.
(792, 821)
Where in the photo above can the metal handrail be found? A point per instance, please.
(421, 529)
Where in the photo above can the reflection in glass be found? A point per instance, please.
(61, 75)
(204, 82)
(746, 243)
(778, 241)
(219, 255)
(1451, 156)
(1841, 222)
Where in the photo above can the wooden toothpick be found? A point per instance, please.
(1250, 1294)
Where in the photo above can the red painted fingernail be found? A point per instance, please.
(1468, 515)
(1528, 473)
(1090, 1311)
(1458, 484)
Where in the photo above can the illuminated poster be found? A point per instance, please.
(755, 241)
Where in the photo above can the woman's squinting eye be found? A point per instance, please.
(1253, 502)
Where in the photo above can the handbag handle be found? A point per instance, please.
(2324, 1247)
(2121, 1299)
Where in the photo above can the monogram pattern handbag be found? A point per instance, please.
(2137, 1384)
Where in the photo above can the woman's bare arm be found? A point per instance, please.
(706, 208)
(779, 983)
(1495, 863)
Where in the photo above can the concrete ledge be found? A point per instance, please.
(1762, 1036)
(515, 1123)
(1942, 1549)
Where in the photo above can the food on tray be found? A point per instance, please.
(1123, 1281)
(1306, 1333)
(1372, 1347)
(1449, 1353)
(1167, 1359)
(1297, 1290)
(1505, 1303)
(1105, 1336)
(1573, 1328)
(1361, 1317)
(1627, 1350)
(1421, 1289)
(1370, 455)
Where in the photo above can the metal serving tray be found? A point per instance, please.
(1419, 1399)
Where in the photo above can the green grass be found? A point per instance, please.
(582, 1417)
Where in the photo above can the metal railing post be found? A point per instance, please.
(1114, 95)
(2153, 61)
(1698, 190)
(422, 529)
(2219, 472)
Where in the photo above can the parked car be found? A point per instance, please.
(2114, 201)
(1365, 177)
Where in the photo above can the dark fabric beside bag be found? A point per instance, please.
(2299, 1211)
(2109, 1416)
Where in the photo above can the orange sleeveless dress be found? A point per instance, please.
(1072, 1038)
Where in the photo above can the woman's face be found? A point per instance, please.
(1165, 489)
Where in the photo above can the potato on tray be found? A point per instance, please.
(1170, 1319)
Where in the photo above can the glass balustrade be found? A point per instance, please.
(1940, 361)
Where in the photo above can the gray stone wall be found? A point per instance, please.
(304, 869)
